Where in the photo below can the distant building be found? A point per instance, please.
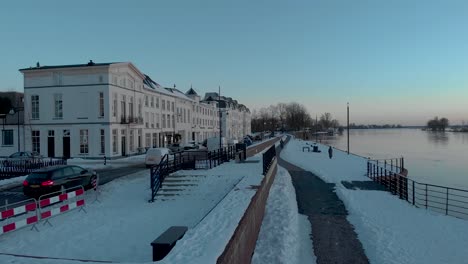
(113, 109)
(12, 122)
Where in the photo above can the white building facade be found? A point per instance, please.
(113, 109)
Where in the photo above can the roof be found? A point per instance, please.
(191, 92)
(89, 64)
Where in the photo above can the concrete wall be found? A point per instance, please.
(242, 244)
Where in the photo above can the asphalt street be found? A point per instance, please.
(16, 194)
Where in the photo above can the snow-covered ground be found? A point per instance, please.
(123, 224)
(390, 229)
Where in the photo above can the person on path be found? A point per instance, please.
(330, 152)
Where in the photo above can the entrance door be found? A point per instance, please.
(51, 147)
(123, 147)
(66, 147)
(51, 144)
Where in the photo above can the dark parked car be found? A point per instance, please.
(23, 158)
(52, 179)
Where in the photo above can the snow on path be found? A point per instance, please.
(390, 229)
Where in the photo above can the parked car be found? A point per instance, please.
(155, 155)
(52, 179)
(191, 145)
(175, 147)
(23, 158)
(247, 141)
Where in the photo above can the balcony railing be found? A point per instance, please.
(131, 120)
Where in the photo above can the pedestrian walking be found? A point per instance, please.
(330, 152)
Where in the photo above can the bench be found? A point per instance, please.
(166, 241)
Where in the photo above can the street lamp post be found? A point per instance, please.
(348, 124)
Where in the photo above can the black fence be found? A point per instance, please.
(268, 157)
(15, 168)
(446, 200)
(187, 160)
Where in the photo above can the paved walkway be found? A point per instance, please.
(334, 239)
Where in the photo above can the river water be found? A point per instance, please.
(439, 158)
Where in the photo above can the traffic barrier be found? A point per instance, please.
(22, 213)
(63, 202)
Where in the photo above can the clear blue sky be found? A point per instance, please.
(394, 61)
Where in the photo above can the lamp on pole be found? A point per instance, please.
(220, 119)
(348, 124)
(13, 111)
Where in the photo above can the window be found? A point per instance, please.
(84, 147)
(157, 120)
(58, 106)
(163, 105)
(152, 120)
(152, 101)
(155, 139)
(101, 104)
(132, 139)
(123, 108)
(157, 102)
(139, 137)
(130, 108)
(114, 140)
(139, 108)
(146, 119)
(173, 121)
(114, 106)
(163, 121)
(172, 106)
(185, 116)
(103, 142)
(35, 106)
(7, 137)
(168, 121)
(36, 141)
(146, 100)
(51, 133)
(148, 140)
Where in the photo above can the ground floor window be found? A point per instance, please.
(84, 146)
(155, 140)
(114, 140)
(36, 141)
(132, 139)
(103, 142)
(148, 140)
(7, 137)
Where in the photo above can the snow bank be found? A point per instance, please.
(283, 227)
(97, 164)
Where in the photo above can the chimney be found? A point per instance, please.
(38, 65)
(90, 63)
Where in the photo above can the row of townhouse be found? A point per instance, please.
(112, 109)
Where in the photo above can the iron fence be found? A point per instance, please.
(268, 157)
(446, 200)
(10, 169)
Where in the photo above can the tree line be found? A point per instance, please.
(289, 116)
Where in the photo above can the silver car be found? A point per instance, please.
(22, 158)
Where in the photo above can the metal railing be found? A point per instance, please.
(446, 200)
(268, 157)
(187, 160)
(10, 169)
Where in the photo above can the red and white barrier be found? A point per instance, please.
(78, 202)
(15, 214)
(19, 224)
